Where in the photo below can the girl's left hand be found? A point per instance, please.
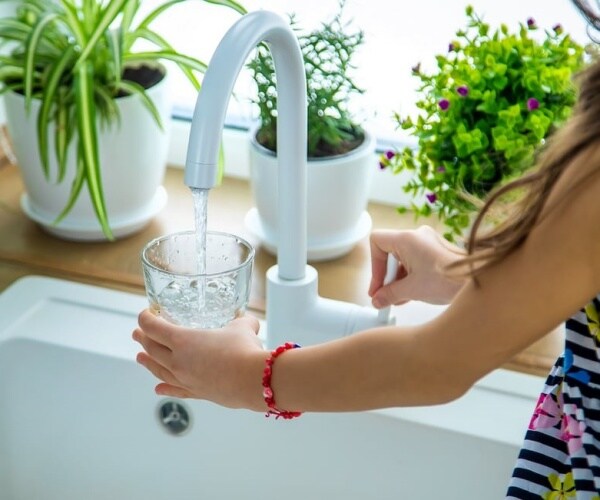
(222, 365)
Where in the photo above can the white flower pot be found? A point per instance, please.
(133, 158)
(338, 193)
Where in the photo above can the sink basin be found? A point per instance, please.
(80, 421)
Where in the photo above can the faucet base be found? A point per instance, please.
(295, 312)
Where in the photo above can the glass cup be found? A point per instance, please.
(181, 294)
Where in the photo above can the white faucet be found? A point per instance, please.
(295, 311)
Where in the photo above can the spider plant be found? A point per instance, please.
(77, 57)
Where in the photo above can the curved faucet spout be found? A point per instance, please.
(294, 308)
(209, 116)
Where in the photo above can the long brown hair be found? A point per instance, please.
(577, 136)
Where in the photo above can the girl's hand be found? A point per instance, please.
(222, 365)
(422, 256)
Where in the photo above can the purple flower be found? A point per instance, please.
(444, 104)
(531, 23)
(558, 29)
(441, 169)
(390, 154)
(463, 90)
(382, 165)
(454, 46)
(532, 104)
(431, 197)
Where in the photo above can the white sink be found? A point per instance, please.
(79, 421)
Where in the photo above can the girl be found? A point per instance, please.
(514, 284)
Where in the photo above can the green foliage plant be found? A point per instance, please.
(77, 57)
(489, 106)
(327, 53)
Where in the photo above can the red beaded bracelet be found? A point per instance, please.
(266, 382)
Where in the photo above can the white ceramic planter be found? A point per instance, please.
(338, 192)
(133, 158)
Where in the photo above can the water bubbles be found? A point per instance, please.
(179, 302)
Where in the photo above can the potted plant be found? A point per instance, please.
(340, 151)
(484, 112)
(85, 109)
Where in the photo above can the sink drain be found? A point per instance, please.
(174, 417)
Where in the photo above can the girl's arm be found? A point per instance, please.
(554, 273)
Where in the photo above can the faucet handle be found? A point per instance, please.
(383, 314)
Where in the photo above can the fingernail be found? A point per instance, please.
(377, 302)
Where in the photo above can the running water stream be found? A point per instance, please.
(200, 198)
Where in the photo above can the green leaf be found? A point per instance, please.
(43, 118)
(128, 14)
(136, 89)
(90, 9)
(72, 21)
(16, 27)
(31, 52)
(161, 43)
(61, 135)
(11, 73)
(76, 186)
(108, 15)
(88, 141)
(157, 12)
(229, 3)
(106, 106)
(114, 39)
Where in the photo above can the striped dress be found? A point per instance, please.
(560, 458)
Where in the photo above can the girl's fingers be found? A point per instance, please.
(155, 368)
(397, 292)
(382, 243)
(157, 351)
(157, 328)
(378, 269)
(172, 390)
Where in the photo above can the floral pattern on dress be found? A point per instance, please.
(571, 431)
(593, 320)
(547, 412)
(562, 487)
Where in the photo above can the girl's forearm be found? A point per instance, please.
(379, 368)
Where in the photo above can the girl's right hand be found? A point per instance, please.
(422, 256)
(224, 365)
